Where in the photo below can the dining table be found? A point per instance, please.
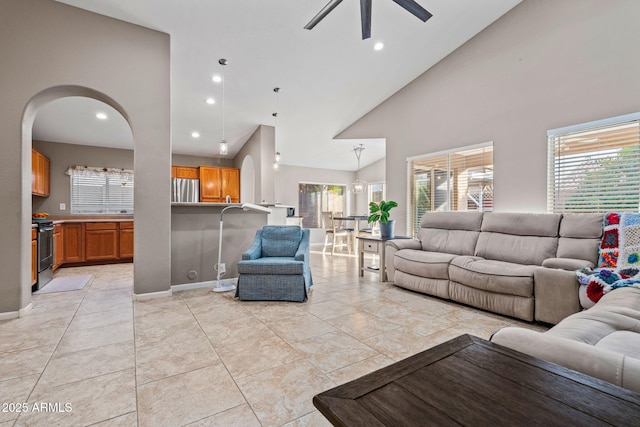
(356, 230)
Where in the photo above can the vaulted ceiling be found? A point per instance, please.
(329, 76)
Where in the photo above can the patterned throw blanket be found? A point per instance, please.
(619, 261)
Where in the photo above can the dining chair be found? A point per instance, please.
(333, 233)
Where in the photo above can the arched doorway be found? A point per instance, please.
(34, 105)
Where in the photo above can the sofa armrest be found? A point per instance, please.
(556, 294)
(606, 365)
(403, 244)
(393, 246)
(255, 250)
(571, 264)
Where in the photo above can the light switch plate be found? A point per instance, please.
(63, 206)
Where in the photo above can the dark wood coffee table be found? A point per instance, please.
(470, 381)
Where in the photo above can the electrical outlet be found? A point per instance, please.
(63, 206)
(222, 268)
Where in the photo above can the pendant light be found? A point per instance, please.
(276, 157)
(358, 186)
(224, 149)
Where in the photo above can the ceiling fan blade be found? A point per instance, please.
(323, 12)
(365, 16)
(415, 9)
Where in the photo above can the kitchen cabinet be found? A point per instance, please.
(58, 246)
(101, 241)
(230, 184)
(186, 172)
(73, 242)
(126, 240)
(210, 184)
(40, 171)
(34, 257)
(217, 183)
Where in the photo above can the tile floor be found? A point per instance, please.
(201, 358)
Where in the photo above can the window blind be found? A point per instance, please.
(457, 180)
(595, 169)
(101, 193)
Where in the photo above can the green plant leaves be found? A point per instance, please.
(380, 211)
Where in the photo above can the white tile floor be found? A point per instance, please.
(203, 358)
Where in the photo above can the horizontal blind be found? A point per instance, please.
(458, 180)
(100, 193)
(595, 170)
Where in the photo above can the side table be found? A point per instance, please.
(375, 245)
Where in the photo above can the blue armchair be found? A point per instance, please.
(276, 266)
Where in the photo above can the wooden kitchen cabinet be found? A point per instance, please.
(40, 171)
(73, 242)
(101, 241)
(58, 246)
(186, 172)
(217, 183)
(126, 240)
(230, 184)
(34, 257)
(210, 184)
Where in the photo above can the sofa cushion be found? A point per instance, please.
(470, 221)
(459, 242)
(522, 224)
(581, 226)
(566, 263)
(586, 249)
(623, 342)
(528, 250)
(280, 241)
(433, 265)
(493, 276)
(271, 265)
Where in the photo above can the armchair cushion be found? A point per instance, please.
(271, 265)
(280, 241)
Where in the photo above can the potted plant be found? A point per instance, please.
(379, 212)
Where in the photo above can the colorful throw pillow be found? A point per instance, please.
(610, 241)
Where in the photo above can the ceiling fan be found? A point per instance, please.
(365, 13)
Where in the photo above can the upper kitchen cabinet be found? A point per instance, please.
(185, 172)
(40, 169)
(230, 184)
(218, 183)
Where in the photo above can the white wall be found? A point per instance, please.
(375, 172)
(261, 147)
(543, 65)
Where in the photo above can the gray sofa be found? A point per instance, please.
(603, 341)
(516, 264)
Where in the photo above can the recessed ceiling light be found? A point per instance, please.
(101, 116)
(216, 78)
(195, 134)
(378, 46)
(210, 101)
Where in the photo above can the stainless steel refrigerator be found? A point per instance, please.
(185, 190)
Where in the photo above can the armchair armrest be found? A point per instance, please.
(302, 254)
(255, 250)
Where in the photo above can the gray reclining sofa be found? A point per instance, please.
(516, 264)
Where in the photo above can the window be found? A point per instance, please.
(376, 192)
(101, 190)
(595, 167)
(313, 199)
(457, 180)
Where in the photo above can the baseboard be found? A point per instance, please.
(25, 310)
(200, 285)
(152, 295)
(15, 314)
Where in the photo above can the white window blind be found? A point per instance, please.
(101, 191)
(456, 180)
(313, 199)
(595, 167)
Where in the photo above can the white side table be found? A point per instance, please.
(374, 245)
